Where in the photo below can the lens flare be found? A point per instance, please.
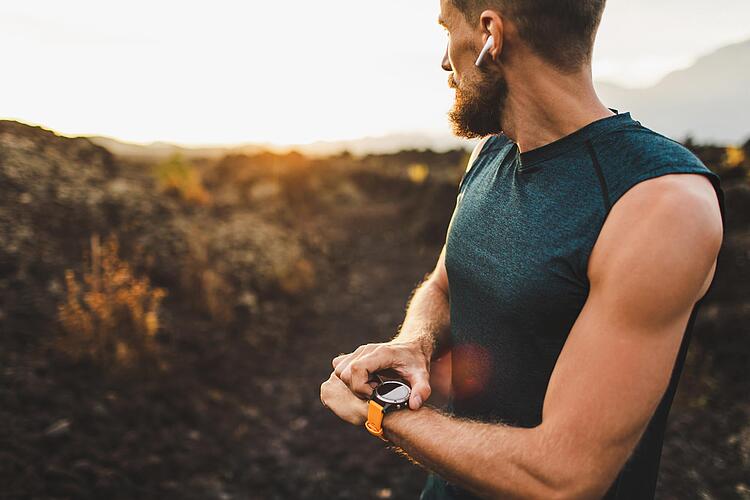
(472, 366)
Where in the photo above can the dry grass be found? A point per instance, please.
(109, 315)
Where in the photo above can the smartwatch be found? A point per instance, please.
(388, 396)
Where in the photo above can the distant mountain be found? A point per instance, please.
(157, 150)
(391, 143)
(709, 101)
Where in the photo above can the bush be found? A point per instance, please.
(110, 315)
(243, 262)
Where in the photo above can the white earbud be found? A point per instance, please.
(487, 47)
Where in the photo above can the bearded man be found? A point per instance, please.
(579, 251)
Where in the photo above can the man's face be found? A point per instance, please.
(481, 92)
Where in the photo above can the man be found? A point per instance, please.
(575, 261)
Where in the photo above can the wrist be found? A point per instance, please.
(393, 420)
(422, 343)
(362, 411)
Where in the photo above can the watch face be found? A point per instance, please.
(393, 391)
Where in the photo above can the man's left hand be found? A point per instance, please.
(335, 395)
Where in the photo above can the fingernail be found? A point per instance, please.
(417, 401)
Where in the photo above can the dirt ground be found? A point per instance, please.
(235, 413)
(227, 419)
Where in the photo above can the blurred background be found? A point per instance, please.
(201, 205)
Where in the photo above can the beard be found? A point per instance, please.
(478, 109)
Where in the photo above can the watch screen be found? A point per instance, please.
(393, 391)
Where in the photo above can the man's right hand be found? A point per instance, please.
(410, 359)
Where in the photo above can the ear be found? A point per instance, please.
(492, 24)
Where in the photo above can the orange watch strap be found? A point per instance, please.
(374, 422)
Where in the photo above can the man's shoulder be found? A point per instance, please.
(632, 155)
(671, 197)
(638, 145)
(658, 221)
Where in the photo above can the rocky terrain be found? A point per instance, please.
(269, 265)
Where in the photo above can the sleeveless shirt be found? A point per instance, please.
(517, 253)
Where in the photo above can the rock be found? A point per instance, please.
(58, 428)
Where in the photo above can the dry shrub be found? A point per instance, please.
(208, 291)
(179, 176)
(110, 315)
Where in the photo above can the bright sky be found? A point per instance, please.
(226, 72)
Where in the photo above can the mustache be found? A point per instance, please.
(452, 82)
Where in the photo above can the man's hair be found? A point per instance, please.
(560, 31)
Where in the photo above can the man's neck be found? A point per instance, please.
(548, 106)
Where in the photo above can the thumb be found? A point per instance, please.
(420, 390)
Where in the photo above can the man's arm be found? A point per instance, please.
(647, 270)
(424, 329)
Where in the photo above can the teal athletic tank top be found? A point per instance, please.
(516, 256)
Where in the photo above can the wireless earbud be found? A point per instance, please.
(487, 47)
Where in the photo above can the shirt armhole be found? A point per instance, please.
(472, 159)
(477, 151)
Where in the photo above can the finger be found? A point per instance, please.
(347, 360)
(322, 393)
(346, 356)
(420, 388)
(338, 359)
(358, 373)
(342, 367)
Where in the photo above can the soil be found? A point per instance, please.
(234, 413)
(223, 418)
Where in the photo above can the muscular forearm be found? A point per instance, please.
(492, 460)
(427, 318)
